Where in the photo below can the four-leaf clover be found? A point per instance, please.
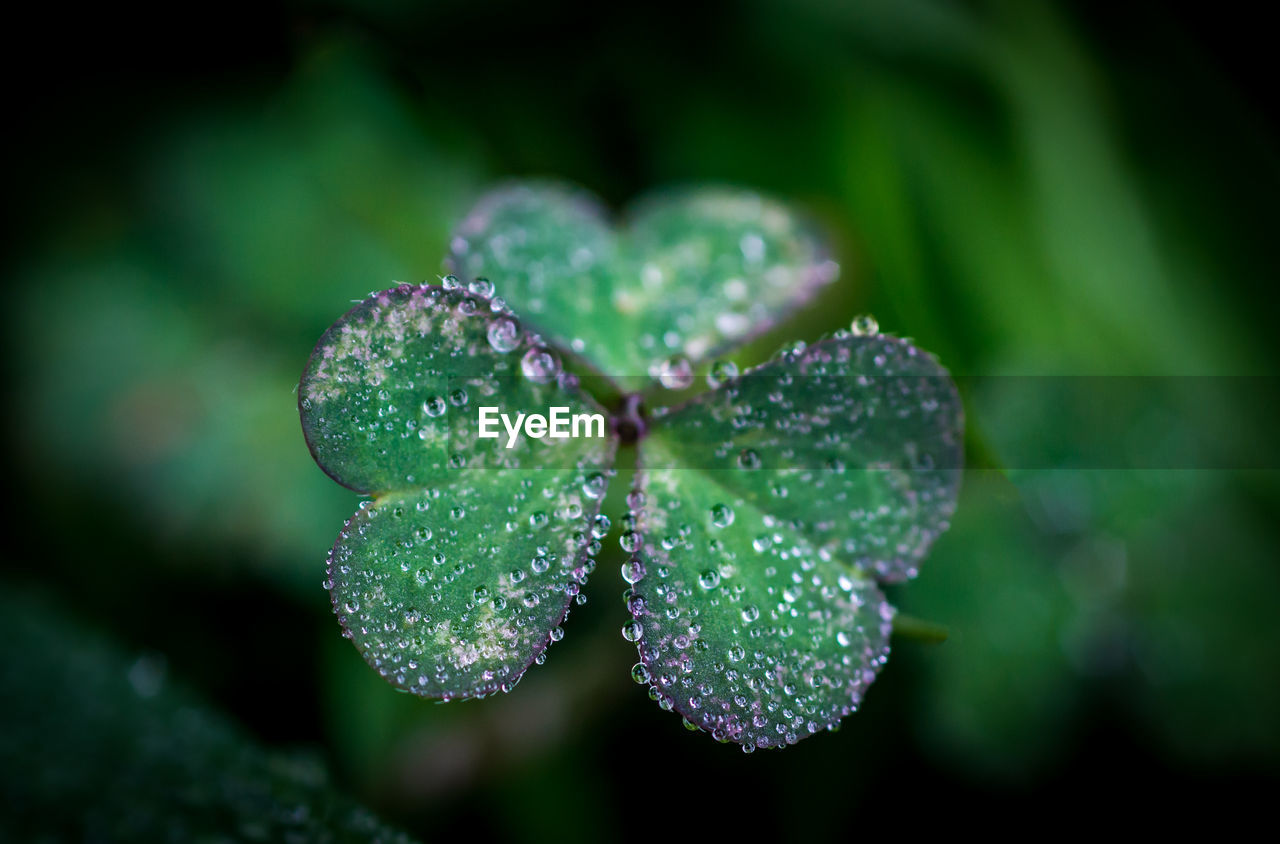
(766, 512)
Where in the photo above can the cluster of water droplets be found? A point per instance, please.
(693, 271)
(387, 383)
(752, 600)
(856, 441)
(449, 593)
(753, 586)
(453, 584)
(741, 626)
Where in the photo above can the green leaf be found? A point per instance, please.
(762, 644)
(769, 508)
(692, 271)
(455, 591)
(102, 745)
(857, 441)
(454, 579)
(389, 398)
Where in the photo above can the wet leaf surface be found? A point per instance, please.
(767, 511)
(104, 746)
(689, 272)
(456, 576)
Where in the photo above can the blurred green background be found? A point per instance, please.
(1030, 188)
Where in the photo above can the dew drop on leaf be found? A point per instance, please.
(504, 335)
(539, 365)
(481, 287)
(766, 622)
(633, 570)
(594, 486)
(629, 541)
(864, 325)
(721, 372)
(675, 373)
(431, 578)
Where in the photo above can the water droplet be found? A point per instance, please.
(504, 335)
(640, 673)
(481, 287)
(594, 485)
(748, 459)
(722, 515)
(633, 570)
(629, 541)
(632, 630)
(539, 365)
(709, 579)
(675, 373)
(722, 371)
(865, 326)
(434, 406)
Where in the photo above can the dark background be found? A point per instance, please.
(192, 196)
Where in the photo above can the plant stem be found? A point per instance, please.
(919, 630)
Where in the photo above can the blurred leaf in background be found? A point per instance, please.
(110, 750)
(178, 336)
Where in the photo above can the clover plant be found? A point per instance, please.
(767, 511)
